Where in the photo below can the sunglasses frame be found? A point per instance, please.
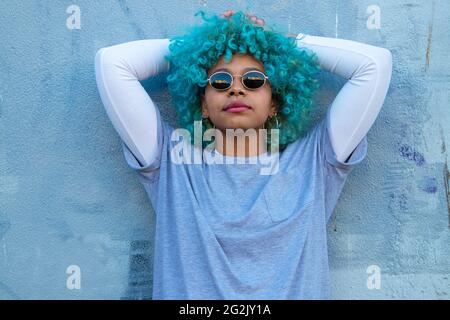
(266, 78)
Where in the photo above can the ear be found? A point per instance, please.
(273, 108)
(204, 107)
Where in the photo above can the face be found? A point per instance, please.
(260, 100)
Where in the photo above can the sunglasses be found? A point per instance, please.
(251, 80)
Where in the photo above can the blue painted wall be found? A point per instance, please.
(70, 206)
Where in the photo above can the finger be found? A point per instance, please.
(260, 22)
(226, 13)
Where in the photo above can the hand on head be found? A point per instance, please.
(253, 18)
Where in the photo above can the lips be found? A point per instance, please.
(236, 104)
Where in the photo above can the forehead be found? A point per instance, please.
(239, 63)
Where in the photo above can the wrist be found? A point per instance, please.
(300, 36)
(291, 35)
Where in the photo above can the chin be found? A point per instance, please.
(243, 126)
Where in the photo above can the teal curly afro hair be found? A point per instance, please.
(290, 68)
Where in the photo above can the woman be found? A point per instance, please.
(231, 231)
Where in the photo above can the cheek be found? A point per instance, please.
(210, 94)
(214, 101)
(211, 98)
(265, 97)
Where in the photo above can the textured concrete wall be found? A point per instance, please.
(70, 206)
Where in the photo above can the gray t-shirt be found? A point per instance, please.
(225, 231)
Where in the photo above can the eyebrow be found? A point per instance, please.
(245, 69)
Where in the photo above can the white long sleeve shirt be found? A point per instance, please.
(119, 69)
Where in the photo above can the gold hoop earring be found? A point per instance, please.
(212, 124)
(276, 119)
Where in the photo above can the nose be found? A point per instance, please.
(236, 92)
(236, 88)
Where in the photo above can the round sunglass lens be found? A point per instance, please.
(253, 79)
(221, 80)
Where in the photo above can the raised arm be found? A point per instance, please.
(368, 70)
(132, 112)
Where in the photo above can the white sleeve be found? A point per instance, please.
(368, 70)
(132, 112)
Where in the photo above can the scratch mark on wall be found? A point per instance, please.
(1, 102)
(289, 23)
(4, 227)
(443, 146)
(334, 224)
(132, 20)
(447, 191)
(337, 20)
(446, 174)
(410, 5)
(5, 255)
(430, 36)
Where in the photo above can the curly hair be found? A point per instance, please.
(290, 69)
